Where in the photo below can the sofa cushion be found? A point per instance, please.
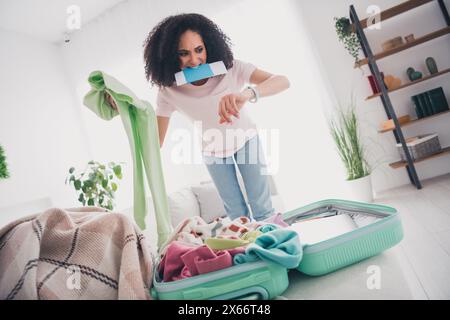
(211, 205)
(182, 204)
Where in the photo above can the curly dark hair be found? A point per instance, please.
(161, 46)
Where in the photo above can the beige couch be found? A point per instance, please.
(199, 199)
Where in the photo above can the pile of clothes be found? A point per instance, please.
(197, 247)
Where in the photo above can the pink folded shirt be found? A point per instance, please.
(182, 260)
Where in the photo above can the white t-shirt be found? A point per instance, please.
(201, 105)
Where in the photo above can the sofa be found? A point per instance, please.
(198, 199)
(202, 199)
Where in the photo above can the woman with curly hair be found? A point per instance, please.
(217, 103)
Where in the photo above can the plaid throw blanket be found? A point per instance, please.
(80, 253)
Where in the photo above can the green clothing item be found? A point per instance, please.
(139, 120)
(225, 244)
(251, 235)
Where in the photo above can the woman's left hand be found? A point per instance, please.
(229, 105)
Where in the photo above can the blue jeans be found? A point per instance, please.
(251, 164)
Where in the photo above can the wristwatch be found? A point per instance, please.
(255, 94)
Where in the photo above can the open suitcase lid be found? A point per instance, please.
(366, 230)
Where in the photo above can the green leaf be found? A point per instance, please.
(89, 183)
(114, 186)
(77, 185)
(105, 183)
(91, 162)
(91, 202)
(71, 170)
(117, 170)
(81, 197)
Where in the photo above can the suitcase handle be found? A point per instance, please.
(205, 293)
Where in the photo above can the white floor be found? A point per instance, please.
(425, 250)
(417, 268)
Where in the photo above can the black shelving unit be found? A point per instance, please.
(358, 27)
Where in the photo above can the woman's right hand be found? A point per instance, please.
(111, 101)
(230, 105)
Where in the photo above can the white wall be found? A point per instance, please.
(40, 127)
(337, 69)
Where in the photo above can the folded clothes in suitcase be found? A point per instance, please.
(333, 234)
(376, 228)
(224, 259)
(256, 280)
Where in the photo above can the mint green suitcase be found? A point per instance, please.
(264, 280)
(382, 231)
(254, 280)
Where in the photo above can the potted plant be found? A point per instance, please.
(3, 165)
(347, 36)
(345, 132)
(96, 186)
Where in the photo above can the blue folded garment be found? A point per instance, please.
(279, 246)
(268, 227)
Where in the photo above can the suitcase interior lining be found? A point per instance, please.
(361, 217)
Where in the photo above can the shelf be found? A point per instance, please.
(395, 11)
(426, 38)
(371, 60)
(416, 121)
(403, 164)
(412, 83)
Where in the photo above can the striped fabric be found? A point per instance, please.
(80, 253)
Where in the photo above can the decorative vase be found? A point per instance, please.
(431, 65)
(392, 82)
(416, 75)
(373, 83)
(409, 72)
(361, 189)
(413, 75)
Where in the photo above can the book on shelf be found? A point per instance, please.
(418, 107)
(431, 105)
(430, 102)
(426, 108)
(438, 100)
